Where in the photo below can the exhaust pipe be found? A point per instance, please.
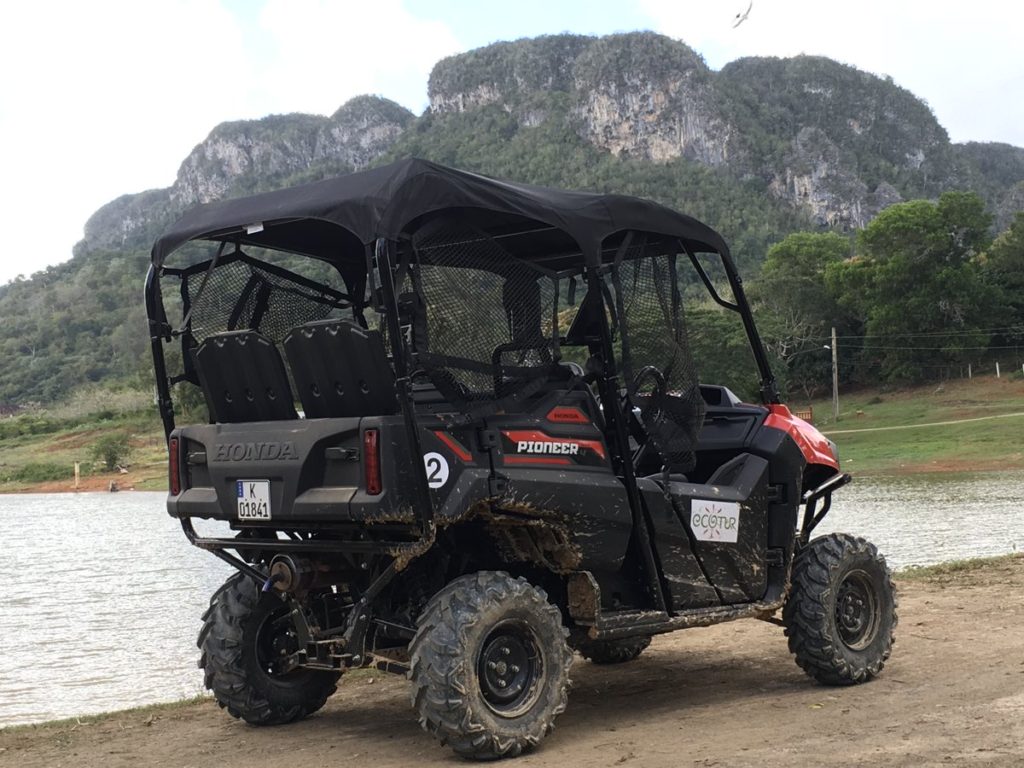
(297, 575)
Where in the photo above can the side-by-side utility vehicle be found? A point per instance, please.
(451, 427)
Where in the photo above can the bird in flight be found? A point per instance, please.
(741, 17)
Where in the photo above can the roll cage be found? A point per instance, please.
(414, 242)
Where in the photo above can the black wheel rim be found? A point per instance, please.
(510, 668)
(276, 642)
(857, 611)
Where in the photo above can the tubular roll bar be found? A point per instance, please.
(769, 385)
(811, 499)
(160, 331)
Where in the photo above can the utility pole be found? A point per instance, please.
(835, 376)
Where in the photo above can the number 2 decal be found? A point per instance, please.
(437, 469)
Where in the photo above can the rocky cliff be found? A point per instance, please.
(252, 155)
(834, 143)
(832, 140)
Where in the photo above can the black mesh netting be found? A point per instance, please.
(657, 366)
(239, 295)
(483, 323)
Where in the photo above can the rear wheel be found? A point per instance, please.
(490, 665)
(841, 612)
(245, 632)
(611, 651)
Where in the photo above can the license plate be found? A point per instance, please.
(253, 499)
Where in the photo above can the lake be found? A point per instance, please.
(103, 592)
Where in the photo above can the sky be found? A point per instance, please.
(107, 97)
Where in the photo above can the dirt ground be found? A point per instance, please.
(952, 694)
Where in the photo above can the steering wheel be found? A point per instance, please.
(648, 371)
(646, 416)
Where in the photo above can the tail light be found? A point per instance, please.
(371, 461)
(173, 466)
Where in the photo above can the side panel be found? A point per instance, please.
(458, 469)
(687, 586)
(554, 460)
(728, 521)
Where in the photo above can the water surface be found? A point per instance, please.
(101, 607)
(103, 593)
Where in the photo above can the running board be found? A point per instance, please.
(585, 600)
(623, 624)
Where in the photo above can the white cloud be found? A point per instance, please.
(325, 51)
(99, 99)
(964, 59)
(107, 97)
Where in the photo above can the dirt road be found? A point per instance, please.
(953, 694)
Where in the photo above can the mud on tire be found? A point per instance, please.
(611, 651)
(490, 665)
(841, 612)
(241, 629)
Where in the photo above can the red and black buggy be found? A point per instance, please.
(452, 428)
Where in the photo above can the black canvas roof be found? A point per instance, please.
(389, 201)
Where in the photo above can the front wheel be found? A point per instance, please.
(841, 612)
(490, 665)
(244, 633)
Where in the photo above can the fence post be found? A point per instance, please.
(997, 370)
(77, 475)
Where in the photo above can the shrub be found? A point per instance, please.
(111, 450)
(39, 472)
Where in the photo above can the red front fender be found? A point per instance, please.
(816, 448)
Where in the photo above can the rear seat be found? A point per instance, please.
(340, 370)
(243, 378)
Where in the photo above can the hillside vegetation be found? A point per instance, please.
(762, 149)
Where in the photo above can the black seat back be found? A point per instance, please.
(340, 370)
(243, 378)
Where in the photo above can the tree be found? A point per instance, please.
(917, 287)
(1003, 268)
(795, 307)
(112, 450)
(719, 346)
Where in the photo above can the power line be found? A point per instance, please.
(1017, 328)
(944, 349)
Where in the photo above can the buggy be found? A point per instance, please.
(451, 427)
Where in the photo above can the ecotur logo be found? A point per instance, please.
(715, 520)
(256, 452)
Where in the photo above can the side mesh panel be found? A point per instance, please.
(240, 295)
(482, 323)
(652, 332)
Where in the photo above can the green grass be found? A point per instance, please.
(993, 443)
(31, 457)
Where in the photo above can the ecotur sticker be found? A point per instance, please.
(715, 520)
(437, 469)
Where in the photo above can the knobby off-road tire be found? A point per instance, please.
(611, 651)
(841, 612)
(490, 665)
(242, 630)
